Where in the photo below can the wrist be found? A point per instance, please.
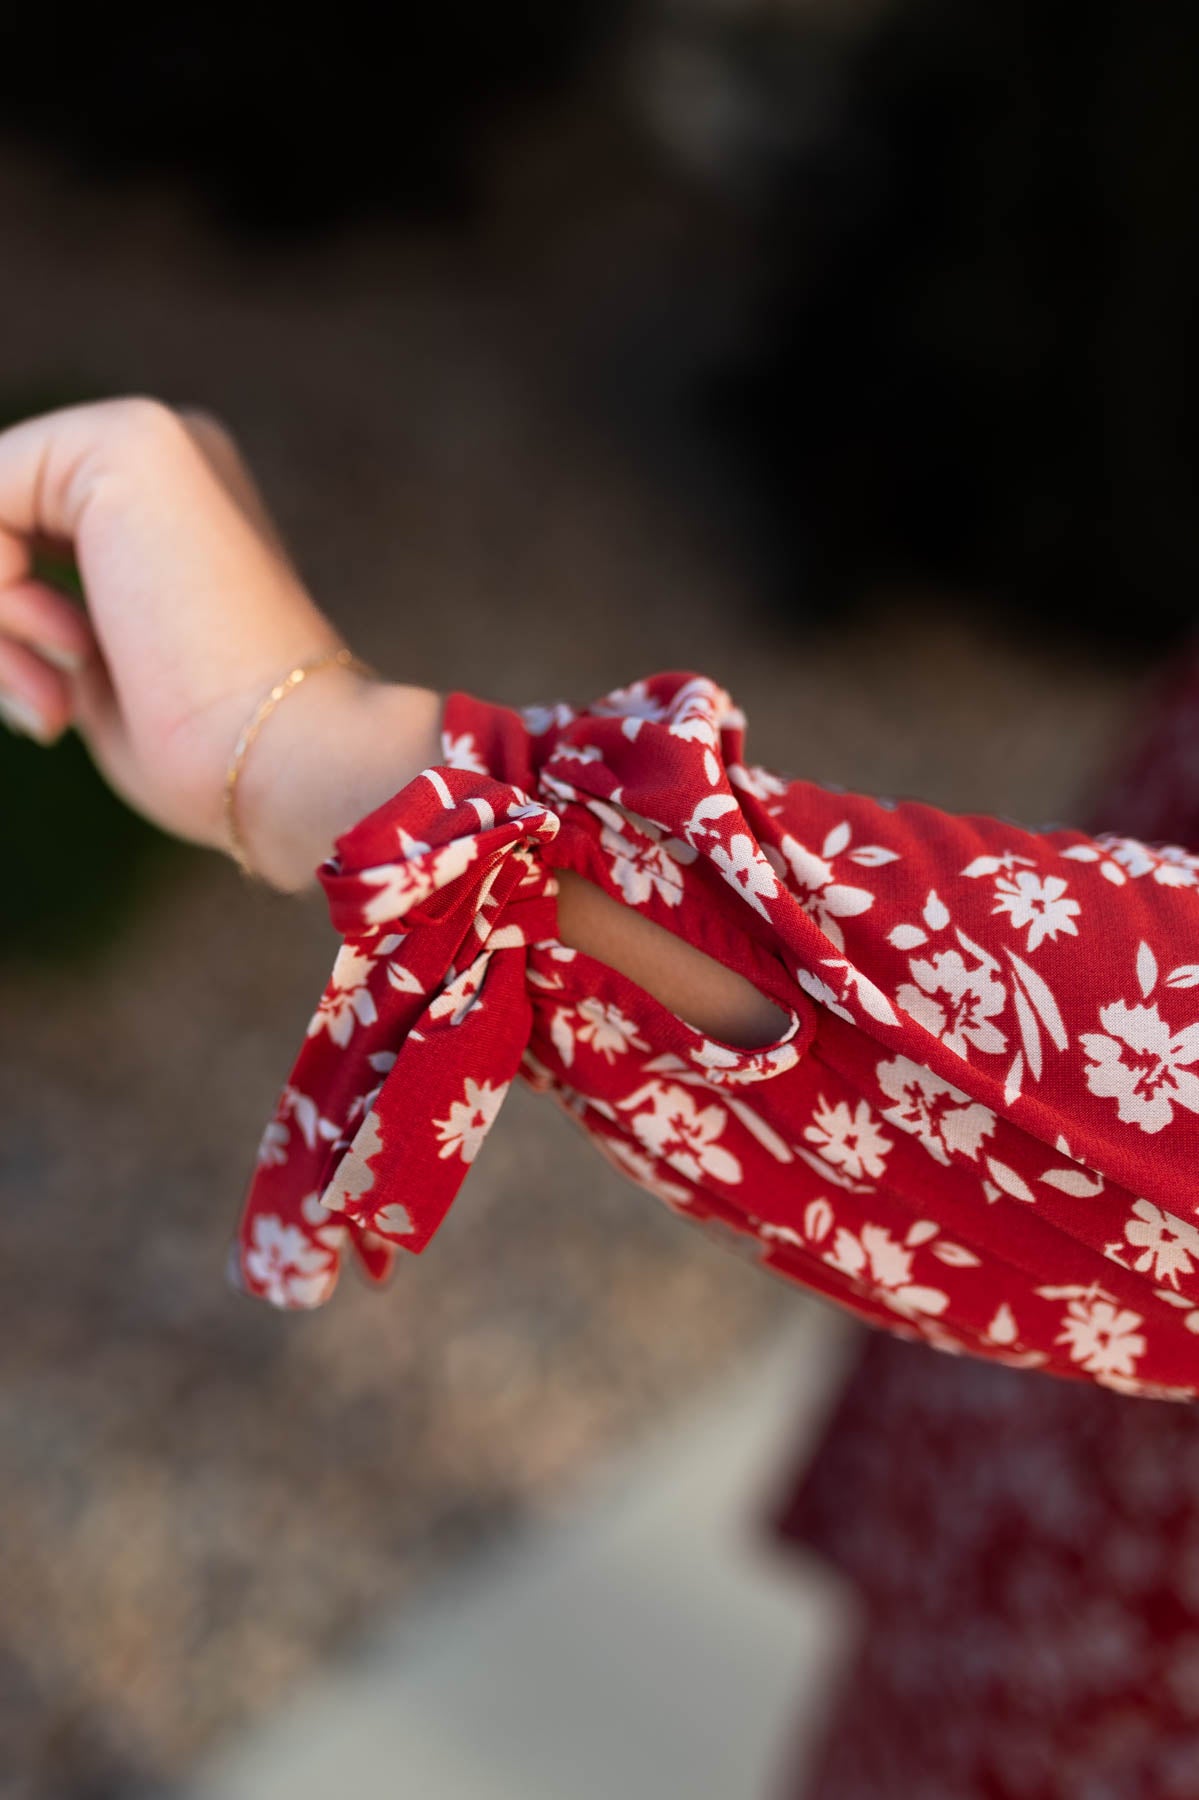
(330, 752)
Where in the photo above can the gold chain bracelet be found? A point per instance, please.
(343, 658)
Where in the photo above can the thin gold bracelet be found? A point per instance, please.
(343, 658)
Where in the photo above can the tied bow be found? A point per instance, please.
(417, 1036)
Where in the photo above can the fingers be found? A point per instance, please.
(45, 464)
(181, 580)
(52, 676)
(194, 604)
(39, 616)
(43, 637)
(35, 698)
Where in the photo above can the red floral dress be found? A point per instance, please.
(1025, 1553)
(979, 1128)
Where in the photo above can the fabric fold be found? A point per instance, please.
(980, 1127)
(425, 1017)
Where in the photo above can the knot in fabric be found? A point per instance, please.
(417, 1036)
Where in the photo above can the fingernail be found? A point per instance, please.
(70, 660)
(18, 715)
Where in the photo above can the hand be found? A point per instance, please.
(194, 610)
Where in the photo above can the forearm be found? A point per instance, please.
(335, 749)
(692, 984)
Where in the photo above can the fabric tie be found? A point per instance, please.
(416, 1039)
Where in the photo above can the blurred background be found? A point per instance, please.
(840, 349)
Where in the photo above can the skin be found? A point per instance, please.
(194, 610)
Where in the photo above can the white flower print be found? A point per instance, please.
(642, 868)
(1167, 863)
(868, 995)
(876, 1258)
(729, 1066)
(462, 752)
(1003, 1328)
(1035, 1009)
(745, 868)
(470, 1119)
(402, 885)
(1167, 1244)
(583, 753)
(540, 718)
(823, 994)
(632, 702)
(393, 1221)
(272, 1148)
(695, 711)
(461, 992)
(762, 783)
(848, 1138)
(347, 1001)
(401, 882)
(684, 1134)
(945, 1119)
(955, 1003)
(381, 1062)
(353, 1178)
(1040, 903)
(291, 1270)
(603, 1026)
(827, 900)
(307, 1116)
(1102, 1337)
(699, 709)
(1033, 902)
(326, 1229)
(705, 813)
(1142, 1065)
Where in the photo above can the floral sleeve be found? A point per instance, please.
(1047, 972)
(1022, 1005)
(979, 1125)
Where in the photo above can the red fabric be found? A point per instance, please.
(979, 1127)
(1025, 1557)
(1025, 1554)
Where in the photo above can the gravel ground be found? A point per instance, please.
(200, 1498)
